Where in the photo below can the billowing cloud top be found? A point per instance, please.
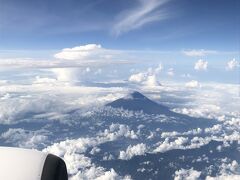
(79, 52)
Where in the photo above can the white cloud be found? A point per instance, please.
(43, 80)
(51, 99)
(131, 151)
(158, 69)
(67, 74)
(146, 12)
(2, 82)
(201, 65)
(229, 171)
(108, 175)
(224, 177)
(147, 78)
(170, 72)
(189, 174)
(6, 64)
(88, 55)
(192, 84)
(80, 52)
(232, 64)
(151, 81)
(98, 71)
(23, 138)
(198, 53)
(174, 133)
(15, 109)
(84, 56)
(166, 145)
(72, 151)
(26, 63)
(187, 75)
(210, 100)
(88, 70)
(137, 78)
(214, 130)
(123, 130)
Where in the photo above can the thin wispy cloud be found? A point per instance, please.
(146, 12)
(198, 52)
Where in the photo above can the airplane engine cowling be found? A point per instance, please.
(26, 164)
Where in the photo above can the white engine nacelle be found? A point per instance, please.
(26, 164)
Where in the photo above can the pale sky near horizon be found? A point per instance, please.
(198, 37)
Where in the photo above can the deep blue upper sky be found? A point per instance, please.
(56, 24)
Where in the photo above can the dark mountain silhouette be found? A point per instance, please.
(136, 101)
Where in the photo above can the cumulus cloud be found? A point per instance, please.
(151, 81)
(210, 101)
(213, 130)
(67, 74)
(229, 171)
(38, 98)
(166, 145)
(23, 138)
(198, 52)
(80, 52)
(146, 12)
(232, 64)
(83, 56)
(201, 65)
(192, 84)
(131, 151)
(137, 78)
(88, 56)
(17, 108)
(147, 78)
(189, 174)
(79, 166)
(224, 177)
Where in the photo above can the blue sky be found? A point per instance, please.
(196, 24)
(174, 32)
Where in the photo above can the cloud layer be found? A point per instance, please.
(75, 131)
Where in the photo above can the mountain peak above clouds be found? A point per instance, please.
(135, 101)
(135, 95)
